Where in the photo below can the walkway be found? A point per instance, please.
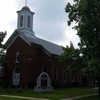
(31, 98)
(76, 97)
(28, 98)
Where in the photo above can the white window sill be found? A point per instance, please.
(16, 61)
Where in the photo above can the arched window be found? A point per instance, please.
(17, 57)
(65, 76)
(56, 73)
(21, 21)
(44, 69)
(16, 76)
(17, 70)
(44, 76)
(73, 78)
(28, 21)
(80, 76)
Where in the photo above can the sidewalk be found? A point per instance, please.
(31, 98)
(28, 98)
(76, 97)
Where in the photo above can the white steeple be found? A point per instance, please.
(25, 20)
(26, 3)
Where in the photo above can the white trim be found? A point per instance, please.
(46, 52)
(39, 79)
(43, 74)
(56, 73)
(16, 61)
(15, 39)
(12, 41)
(25, 40)
(17, 79)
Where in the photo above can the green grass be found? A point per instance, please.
(90, 98)
(8, 98)
(57, 94)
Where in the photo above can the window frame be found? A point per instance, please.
(28, 21)
(21, 21)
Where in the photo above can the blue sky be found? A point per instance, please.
(50, 19)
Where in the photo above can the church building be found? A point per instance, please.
(28, 56)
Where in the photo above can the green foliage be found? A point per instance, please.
(2, 47)
(72, 57)
(86, 15)
(2, 36)
(2, 59)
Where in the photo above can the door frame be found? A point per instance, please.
(16, 77)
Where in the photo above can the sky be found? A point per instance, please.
(49, 22)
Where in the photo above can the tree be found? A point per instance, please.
(86, 15)
(2, 53)
(2, 47)
(2, 36)
(72, 57)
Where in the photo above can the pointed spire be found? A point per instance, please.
(26, 3)
(26, 7)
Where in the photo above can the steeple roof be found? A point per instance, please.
(26, 7)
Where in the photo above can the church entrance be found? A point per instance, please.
(16, 76)
(44, 81)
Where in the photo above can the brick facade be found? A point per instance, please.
(32, 60)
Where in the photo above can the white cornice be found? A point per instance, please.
(12, 40)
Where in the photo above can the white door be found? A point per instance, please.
(16, 79)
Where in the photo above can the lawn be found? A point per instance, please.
(56, 95)
(90, 98)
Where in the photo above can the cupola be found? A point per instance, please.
(25, 20)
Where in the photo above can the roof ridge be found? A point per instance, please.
(49, 42)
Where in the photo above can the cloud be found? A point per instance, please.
(50, 20)
(8, 16)
(69, 36)
(49, 17)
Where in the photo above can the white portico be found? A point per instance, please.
(43, 83)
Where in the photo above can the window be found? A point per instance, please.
(17, 70)
(80, 75)
(28, 21)
(21, 21)
(17, 57)
(44, 69)
(56, 73)
(65, 76)
(73, 78)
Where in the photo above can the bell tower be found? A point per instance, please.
(25, 20)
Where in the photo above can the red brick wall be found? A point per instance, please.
(32, 59)
(27, 67)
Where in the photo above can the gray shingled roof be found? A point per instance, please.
(48, 46)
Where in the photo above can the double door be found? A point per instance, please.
(16, 79)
